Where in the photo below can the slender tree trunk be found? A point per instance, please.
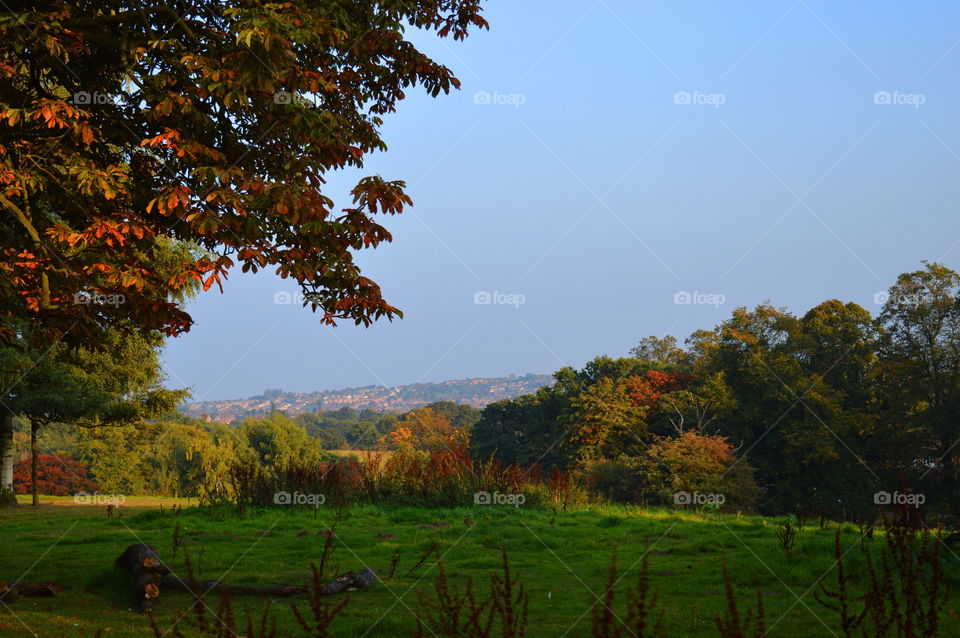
(34, 461)
(7, 498)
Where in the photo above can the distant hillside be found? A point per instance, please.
(477, 392)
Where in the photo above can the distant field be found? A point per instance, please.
(129, 503)
(358, 453)
(561, 559)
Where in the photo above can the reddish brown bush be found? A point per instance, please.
(441, 478)
(58, 475)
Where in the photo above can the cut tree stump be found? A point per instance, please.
(142, 562)
(150, 574)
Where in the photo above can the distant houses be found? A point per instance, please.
(477, 392)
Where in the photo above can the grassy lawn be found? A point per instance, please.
(561, 559)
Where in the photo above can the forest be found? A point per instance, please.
(812, 415)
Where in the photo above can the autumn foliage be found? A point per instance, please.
(440, 478)
(57, 476)
(425, 429)
(611, 416)
(647, 389)
(147, 149)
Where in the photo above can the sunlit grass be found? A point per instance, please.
(561, 557)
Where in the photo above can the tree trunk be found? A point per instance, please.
(142, 561)
(7, 497)
(34, 461)
(171, 581)
(150, 573)
(348, 581)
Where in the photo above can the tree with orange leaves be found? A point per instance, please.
(648, 389)
(603, 421)
(425, 430)
(128, 127)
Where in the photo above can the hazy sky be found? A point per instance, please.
(607, 160)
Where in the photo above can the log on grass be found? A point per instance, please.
(150, 573)
(11, 593)
(202, 587)
(347, 582)
(142, 561)
(350, 581)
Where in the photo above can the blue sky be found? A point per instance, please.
(607, 160)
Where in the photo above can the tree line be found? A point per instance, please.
(179, 456)
(828, 410)
(815, 414)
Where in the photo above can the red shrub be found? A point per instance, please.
(57, 475)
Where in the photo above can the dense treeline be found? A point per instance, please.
(180, 456)
(829, 408)
(350, 429)
(813, 414)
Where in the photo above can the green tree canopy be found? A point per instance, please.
(120, 382)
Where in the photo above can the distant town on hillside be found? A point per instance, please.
(476, 392)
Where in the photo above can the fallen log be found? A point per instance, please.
(172, 581)
(10, 593)
(142, 562)
(350, 581)
(150, 574)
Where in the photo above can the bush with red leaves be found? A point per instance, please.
(58, 475)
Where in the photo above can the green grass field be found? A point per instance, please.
(562, 560)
